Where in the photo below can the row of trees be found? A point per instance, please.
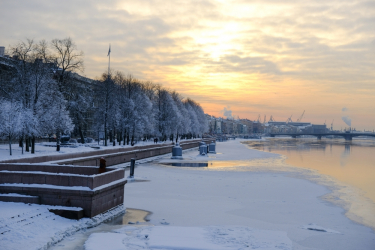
(132, 109)
(41, 94)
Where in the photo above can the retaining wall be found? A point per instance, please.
(123, 157)
(94, 192)
(93, 202)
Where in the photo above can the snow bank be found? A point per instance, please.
(190, 238)
(31, 226)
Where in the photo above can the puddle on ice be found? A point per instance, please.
(132, 217)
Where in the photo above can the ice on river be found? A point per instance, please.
(190, 238)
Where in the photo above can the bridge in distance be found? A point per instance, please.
(347, 136)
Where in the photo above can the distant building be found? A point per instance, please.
(2, 50)
(249, 126)
(257, 127)
(319, 128)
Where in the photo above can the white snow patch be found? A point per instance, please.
(46, 186)
(17, 195)
(190, 238)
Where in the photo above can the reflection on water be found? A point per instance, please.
(351, 162)
(132, 216)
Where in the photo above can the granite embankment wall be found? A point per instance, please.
(48, 158)
(113, 156)
(71, 186)
(123, 157)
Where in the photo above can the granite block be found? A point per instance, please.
(78, 181)
(10, 178)
(59, 180)
(33, 178)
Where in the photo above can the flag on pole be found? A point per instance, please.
(109, 51)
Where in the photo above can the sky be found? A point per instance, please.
(251, 58)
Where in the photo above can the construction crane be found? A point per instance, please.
(258, 118)
(271, 119)
(289, 119)
(332, 125)
(265, 117)
(300, 118)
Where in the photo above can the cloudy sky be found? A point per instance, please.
(266, 57)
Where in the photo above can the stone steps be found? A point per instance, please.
(20, 198)
(68, 213)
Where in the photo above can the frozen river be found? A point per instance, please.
(351, 163)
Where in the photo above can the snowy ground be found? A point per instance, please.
(244, 200)
(31, 226)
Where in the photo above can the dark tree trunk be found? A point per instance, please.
(21, 142)
(124, 138)
(127, 139)
(115, 135)
(27, 144)
(33, 145)
(58, 141)
(81, 134)
(119, 137)
(10, 145)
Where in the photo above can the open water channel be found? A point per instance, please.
(348, 164)
(351, 162)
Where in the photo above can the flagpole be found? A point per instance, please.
(109, 60)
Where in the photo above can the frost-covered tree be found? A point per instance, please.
(59, 120)
(31, 78)
(37, 89)
(167, 111)
(105, 98)
(181, 121)
(78, 94)
(198, 122)
(135, 108)
(11, 121)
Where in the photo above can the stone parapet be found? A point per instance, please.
(90, 181)
(138, 154)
